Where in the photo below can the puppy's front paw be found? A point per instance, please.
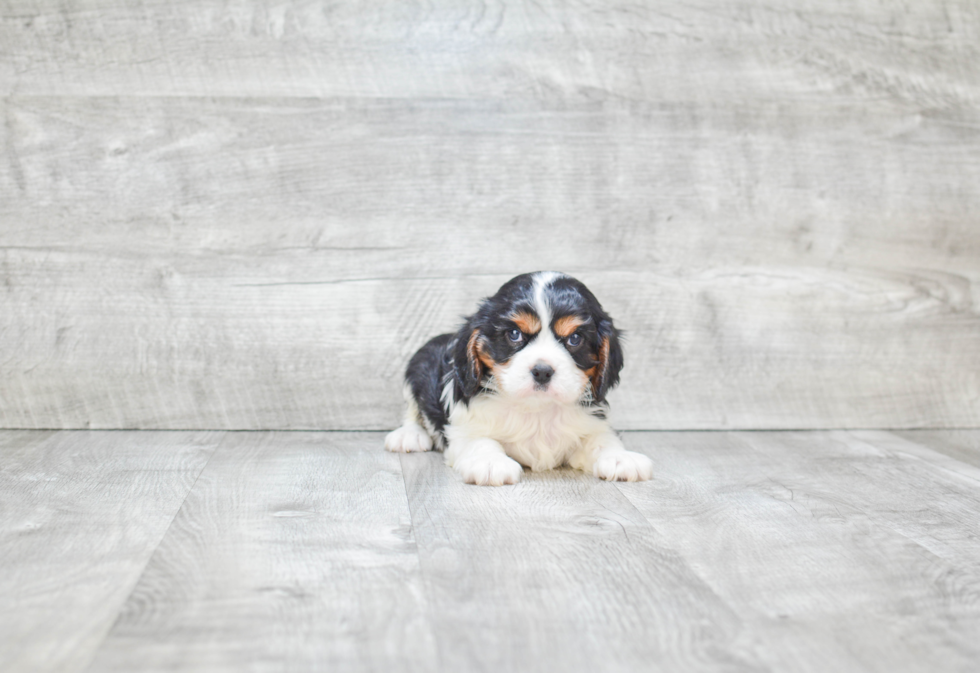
(489, 470)
(409, 438)
(623, 466)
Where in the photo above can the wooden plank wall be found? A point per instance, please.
(248, 214)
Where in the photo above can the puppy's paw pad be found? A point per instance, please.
(495, 470)
(409, 438)
(623, 466)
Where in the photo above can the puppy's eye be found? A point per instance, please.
(574, 340)
(515, 335)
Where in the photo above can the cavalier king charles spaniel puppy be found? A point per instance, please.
(522, 383)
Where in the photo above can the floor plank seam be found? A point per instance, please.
(426, 583)
(149, 558)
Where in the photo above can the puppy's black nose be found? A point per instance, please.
(542, 373)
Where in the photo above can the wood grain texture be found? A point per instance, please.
(292, 552)
(962, 445)
(774, 551)
(559, 573)
(246, 216)
(841, 551)
(467, 49)
(80, 515)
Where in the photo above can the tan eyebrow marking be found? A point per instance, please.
(526, 322)
(566, 326)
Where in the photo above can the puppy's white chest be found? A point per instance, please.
(538, 439)
(540, 436)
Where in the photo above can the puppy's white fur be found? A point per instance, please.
(491, 438)
(411, 436)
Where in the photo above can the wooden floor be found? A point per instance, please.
(770, 551)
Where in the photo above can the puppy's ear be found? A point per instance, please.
(605, 375)
(468, 368)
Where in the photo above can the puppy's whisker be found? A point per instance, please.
(490, 385)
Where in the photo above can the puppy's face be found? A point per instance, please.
(543, 336)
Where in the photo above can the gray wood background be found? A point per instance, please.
(248, 215)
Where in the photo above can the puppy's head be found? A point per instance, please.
(542, 336)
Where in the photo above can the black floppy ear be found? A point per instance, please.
(605, 374)
(468, 369)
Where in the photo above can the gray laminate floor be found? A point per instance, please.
(771, 551)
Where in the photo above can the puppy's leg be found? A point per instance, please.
(483, 462)
(605, 456)
(411, 436)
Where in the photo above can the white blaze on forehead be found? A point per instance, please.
(541, 281)
(517, 379)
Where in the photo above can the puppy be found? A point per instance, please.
(522, 383)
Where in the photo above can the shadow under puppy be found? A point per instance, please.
(523, 382)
